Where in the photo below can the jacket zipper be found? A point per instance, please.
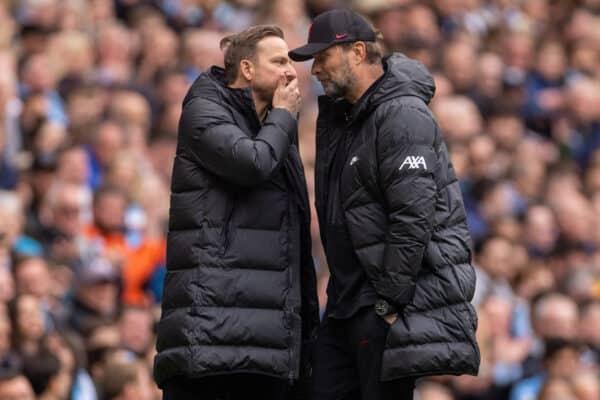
(227, 227)
(295, 370)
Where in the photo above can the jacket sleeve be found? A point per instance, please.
(211, 135)
(406, 163)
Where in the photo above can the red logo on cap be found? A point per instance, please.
(339, 36)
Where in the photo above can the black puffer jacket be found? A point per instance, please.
(240, 291)
(405, 216)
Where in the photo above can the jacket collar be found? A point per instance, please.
(211, 85)
(402, 77)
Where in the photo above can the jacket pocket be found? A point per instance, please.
(400, 324)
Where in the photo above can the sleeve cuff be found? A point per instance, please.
(404, 294)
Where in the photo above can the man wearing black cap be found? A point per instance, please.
(392, 222)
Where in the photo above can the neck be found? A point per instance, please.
(365, 77)
(260, 105)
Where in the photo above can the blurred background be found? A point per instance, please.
(90, 97)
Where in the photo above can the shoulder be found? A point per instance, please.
(205, 90)
(206, 99)
(405, 119)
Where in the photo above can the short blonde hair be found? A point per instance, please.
(242, 46)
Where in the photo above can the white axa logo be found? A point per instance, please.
(413, 162)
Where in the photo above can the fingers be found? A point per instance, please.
(282, 82)
(287, 94)
(293, 84)
(291, 88)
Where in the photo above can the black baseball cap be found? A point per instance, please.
(331, 28)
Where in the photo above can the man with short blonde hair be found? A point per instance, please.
(239, 301)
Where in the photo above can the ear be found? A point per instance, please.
(247, 69)
(359, 52)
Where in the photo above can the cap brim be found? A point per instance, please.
(308, 51)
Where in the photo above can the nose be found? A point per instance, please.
(315, 68)
(291, 73)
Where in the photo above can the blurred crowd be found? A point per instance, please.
(90, 97)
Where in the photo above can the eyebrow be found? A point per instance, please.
(323, 55)
(279, 57)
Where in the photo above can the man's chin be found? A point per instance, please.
(265, 95)
(334, 94)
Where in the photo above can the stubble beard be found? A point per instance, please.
(264, 93)
(335, 89)
(342, 86)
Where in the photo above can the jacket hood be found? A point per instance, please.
(403, 77)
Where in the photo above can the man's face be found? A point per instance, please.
(109, 142)
(100, 296)
(460, 63)
(73, 166)
(67, 213)
(271, 64)
(332, 68)
(560, 321)
(109, 212)
(30, 318)
(136, 330)
(38, 74)
(32, 277)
